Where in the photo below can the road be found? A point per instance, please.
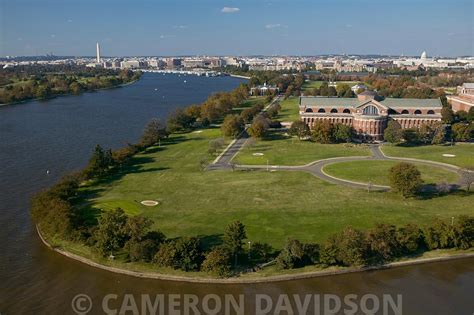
(223, 162)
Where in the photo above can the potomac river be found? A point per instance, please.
(59, 134)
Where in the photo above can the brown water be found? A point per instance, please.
(58, 135)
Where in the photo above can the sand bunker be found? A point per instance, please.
(149, 203)
(257, 154)
(449, 155)
(197, 131)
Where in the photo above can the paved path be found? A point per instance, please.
(316, 168)
(223, 162)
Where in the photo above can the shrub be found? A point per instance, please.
(232, 126)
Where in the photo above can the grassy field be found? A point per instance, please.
(272, 205)
(289, 109)
(376, 172)
(464, 153)
(280, 149)
(317, 84)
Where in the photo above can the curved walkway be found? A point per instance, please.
(317, 168)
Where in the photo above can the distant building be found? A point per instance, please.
(464, 100)
(98, 53)
(130, 64)
(368, 116)
(358, 87)
(263, 89)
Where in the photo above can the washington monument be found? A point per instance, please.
(98, 53)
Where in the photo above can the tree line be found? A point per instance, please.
(40, 82)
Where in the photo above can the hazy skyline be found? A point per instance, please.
(251, 27)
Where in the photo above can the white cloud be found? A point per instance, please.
(69, 21)
(162, 36)
(278, 25)
(349, 25)
(52, 35)
(230, 10)
(181, 27)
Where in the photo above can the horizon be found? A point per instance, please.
(237, 28)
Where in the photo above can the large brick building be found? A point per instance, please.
(368, 116)
(464, 100)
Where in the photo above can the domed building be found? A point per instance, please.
(369, 115)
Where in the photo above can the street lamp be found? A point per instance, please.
(249, 248)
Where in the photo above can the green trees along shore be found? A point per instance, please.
(23, 83)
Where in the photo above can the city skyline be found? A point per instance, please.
(237, 28)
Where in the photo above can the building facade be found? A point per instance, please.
(368, 116)
(464, 100)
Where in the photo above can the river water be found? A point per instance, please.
(58, 135)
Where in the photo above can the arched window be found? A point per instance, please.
(417, 112)
(405, 112)
(430, 112)
(321, 110)
(370, 110)
(309, 110)
(346, 111)
(333, 110)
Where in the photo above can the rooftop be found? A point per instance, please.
(354, 102)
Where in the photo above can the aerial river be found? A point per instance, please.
(58, 136)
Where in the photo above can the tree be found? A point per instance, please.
(217, 261)
(291, 255)
(300, 129)
(464, 232)
(329, 251)
(180, 120)
(166, 255)
(188, 253)
(232, 126)
(261, 251)
(411, 239)
(234, 235)
(405, 178)
(466, 177)
(342, 133)
(137, 227)
(393, 132)
(438, 235)
(110, 233)
(258, 129)
(383, 242)
(470, 114)
(439, 134)
(352, 247)
(447, 115)
(411, 136)
(154, 131)
(247, 115)
(463, 131)
(322, 132)
(215, 145)
(99, 162)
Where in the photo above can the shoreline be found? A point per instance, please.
(239, 76)
(269, 279)
(69, 94)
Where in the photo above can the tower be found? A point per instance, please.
(98, 53)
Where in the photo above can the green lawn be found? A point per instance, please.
(312, 85)
(272, 205)
(464, 153)
(280, 149)
(289, 109)
(376, 172)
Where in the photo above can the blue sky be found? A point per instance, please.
(231, 27)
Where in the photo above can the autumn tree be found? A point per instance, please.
(232, 126)
(405, 178)
(300, 129)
